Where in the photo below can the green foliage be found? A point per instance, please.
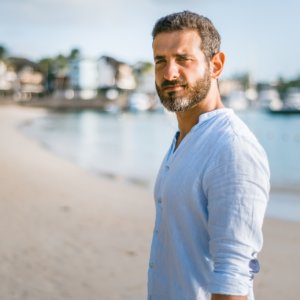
(243, 78)
(46, 65)
(142, 67)
(60, 62)
(3, 52)
(75, 53)
(53, 64)
(283, 85)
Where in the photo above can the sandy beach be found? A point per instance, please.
(67, 234)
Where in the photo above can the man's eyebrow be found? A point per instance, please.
(157, 57)
(178, 55)
(183, 55)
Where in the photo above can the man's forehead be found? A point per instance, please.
(178, 41)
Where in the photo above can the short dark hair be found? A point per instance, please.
(210, 37)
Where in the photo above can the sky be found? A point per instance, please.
(258, 36)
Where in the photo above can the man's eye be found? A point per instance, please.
(183, 58)
(160, 61)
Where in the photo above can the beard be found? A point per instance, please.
(191, 97)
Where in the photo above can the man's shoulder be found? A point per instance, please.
(225, 128)
(234, 142)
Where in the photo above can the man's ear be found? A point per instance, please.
(217, 64)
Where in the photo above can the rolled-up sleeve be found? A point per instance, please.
(237, 191)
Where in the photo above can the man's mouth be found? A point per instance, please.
(173, 87)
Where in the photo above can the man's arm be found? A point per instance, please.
(237, 190)
(227, 297)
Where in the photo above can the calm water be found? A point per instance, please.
(131, 146)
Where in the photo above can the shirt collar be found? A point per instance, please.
(210, 114)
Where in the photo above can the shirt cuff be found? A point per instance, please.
(227, 284)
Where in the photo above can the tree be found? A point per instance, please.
(243, 79)
(142, 67)
(3, 52)
(75, 53)
(284, 84)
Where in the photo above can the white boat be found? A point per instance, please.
(237, 100)
(269, 97)
(291, 103)
(139, 101)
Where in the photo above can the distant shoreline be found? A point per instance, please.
(279, 193)
(286, 190)
(53, 103)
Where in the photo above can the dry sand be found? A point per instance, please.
(67, 234)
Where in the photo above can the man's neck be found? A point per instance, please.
(188, 119)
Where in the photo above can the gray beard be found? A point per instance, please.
(194, 95)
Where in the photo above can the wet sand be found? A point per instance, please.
(68, 234)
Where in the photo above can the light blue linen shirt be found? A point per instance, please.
(211, 196)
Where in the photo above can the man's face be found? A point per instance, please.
(182, 76)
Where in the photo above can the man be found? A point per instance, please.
(212, 188)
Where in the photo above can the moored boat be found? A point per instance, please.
(291, 103)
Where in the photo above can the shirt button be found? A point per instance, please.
(156, 230)
(254, 265)
(151, 265)
(159, 200)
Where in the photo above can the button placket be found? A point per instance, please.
(156, 228)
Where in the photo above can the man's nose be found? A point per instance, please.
(171, 71)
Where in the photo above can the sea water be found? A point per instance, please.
(130, 146)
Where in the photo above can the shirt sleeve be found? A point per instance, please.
(237, 190)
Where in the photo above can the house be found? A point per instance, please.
(7, 79)
(25, 78)
(30, 82)
(83, 76)
(145, 77)
(107, 72)
(115, 81)
(114, 74)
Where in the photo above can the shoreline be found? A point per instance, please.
(284, 202)
(70, 234)
(275, 189)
